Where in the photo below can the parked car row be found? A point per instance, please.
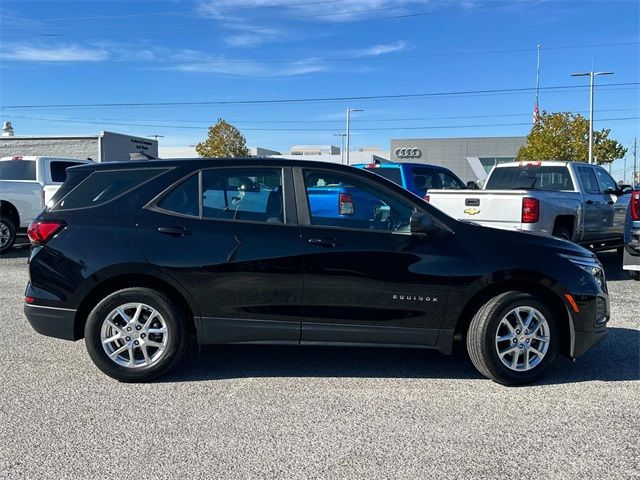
(243, 251)
(574, 201)
(26, 184)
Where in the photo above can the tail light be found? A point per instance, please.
(345, 204)
(530, 210)
(427, 198)
(41, 232)
(635, 206)
(372, 165)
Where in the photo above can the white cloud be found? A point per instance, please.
(381, 49)
(221, 65)
(61, 53)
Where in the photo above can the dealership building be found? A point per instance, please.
(470, 158)
(102, 147)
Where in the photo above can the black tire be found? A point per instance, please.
(481, 339)
(562, 232)
(175, 336)
(8, 225)
(634, 274)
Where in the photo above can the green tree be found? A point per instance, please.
(565, 136)
(224, 140)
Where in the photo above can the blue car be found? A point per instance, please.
(417, 177)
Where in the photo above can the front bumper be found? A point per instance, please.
(590, 323)
(52, 321)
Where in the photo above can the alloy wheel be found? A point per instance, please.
(522, 338)
(5, 234)
(134, 335)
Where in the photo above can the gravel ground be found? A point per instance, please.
(265, 412)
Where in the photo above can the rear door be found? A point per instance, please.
(230, 237)
(373, 283)
(598, 216)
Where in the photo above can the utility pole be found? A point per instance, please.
(349, 111)
(536, 107)
(592, 75)
(341, 135)
(636, 173)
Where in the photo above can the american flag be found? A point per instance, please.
(536, 114)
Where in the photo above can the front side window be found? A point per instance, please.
(337, 200)
(248, 194)
(605, 180)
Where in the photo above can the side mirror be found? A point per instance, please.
(626, 190)
(473, 186)
(423, 223)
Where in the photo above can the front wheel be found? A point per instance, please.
(135, 334)
(513, 338)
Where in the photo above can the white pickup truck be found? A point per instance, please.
(571, 200)
(26, 184)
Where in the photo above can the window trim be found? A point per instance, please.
(289, 209)
(304, 211)
(600, 184)
(162, 170)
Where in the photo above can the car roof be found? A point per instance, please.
(537, 163)
(197, 163)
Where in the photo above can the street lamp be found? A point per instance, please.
(156, 136)
(592, 75)
(349, 111)
(341, 135)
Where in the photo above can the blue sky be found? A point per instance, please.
(57, 52)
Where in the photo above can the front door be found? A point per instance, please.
(229, 236)
(367, 279)
(597, 222)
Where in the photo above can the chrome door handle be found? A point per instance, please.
(175, 231)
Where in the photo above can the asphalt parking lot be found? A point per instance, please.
(287, 412)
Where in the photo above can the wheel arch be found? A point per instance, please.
(129, 280)
(9, 210)
(547, 295)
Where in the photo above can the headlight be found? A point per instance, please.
(591, 265)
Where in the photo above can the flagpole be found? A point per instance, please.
(536, 110)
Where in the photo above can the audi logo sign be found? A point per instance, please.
(408, 152)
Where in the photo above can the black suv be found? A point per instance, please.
(136, 256)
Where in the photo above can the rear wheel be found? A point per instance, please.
(513, 338)
(7, 234)
(135, 334)
(562, 232)
(634, 274)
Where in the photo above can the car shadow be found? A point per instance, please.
(615, 359)
(18, 251)
(612, 263)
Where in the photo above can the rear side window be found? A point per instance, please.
(183, 199)
(425, 178)
(248, 194)
(18, 170)
(530, 177)
(450, 182)
(392, 174)
(589, 181)
(103, 186)
(59, 170)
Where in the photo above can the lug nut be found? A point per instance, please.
(136, 342)
(526, 332)
(128, 339)
(521, 346)
(527, 340)
(138, 327)
(518, 332)
(144, 335)
(515, 340)
(128, 329)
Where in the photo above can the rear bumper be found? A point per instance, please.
(52, 321)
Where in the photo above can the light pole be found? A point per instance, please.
(592, 75)
(341, 135)
(349, 111)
